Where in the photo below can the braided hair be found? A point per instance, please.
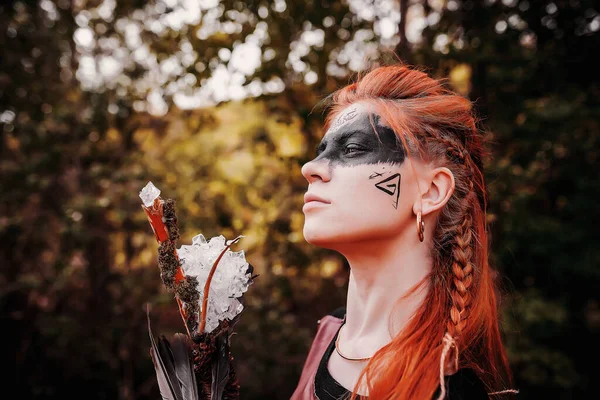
(457, 324)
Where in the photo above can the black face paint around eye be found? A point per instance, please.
(354, 142)
(391, 186)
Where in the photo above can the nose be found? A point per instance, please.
(314, 170)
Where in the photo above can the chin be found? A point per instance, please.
(327, 236)
(317, 237)
(327, 239)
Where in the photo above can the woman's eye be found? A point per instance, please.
(352, 149)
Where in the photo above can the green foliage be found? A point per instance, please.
(78, 256)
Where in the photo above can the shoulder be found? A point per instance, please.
(464, 385)
(333, 318)
(339, 312)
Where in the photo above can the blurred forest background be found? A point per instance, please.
(216, 103)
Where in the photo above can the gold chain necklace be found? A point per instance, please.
(337, 348)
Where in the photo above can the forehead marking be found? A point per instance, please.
(343, 119)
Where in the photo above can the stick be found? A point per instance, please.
(155, 217)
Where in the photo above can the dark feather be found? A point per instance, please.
(165, 381)
(181, 346)
(164, 386)
(166, 355)
(174, 366)
(220, 367)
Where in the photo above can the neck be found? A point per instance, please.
(381, 273)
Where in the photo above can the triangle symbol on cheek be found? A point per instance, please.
(391, 186)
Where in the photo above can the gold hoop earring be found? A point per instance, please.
(420, 227)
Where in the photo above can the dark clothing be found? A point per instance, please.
(316, 383)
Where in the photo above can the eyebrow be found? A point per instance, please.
(348, 134)
(342, 137)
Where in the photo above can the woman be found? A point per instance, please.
(397, 188)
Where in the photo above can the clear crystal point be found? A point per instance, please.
(229, 282)
(149, 193)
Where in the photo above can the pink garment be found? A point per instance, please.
(328, 326)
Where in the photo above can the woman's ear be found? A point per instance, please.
(440, 186)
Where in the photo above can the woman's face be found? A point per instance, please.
(362, 182)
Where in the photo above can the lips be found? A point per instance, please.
(308, 197)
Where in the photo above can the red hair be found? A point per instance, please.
(439, 126)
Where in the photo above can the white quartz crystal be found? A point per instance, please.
(229, 281)
(149, 193)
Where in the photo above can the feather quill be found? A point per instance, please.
(174, 365)
(184, 366)
(220, 366)
(166, 355)
(165, 383)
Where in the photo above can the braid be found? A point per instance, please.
(456, 153)
(462, 253)
(462, 268)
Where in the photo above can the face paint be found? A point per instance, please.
(343, 119)
(375, 175)
(352, 141)
(357, 171)
(391, 186)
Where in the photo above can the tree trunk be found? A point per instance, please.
(403, 48)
